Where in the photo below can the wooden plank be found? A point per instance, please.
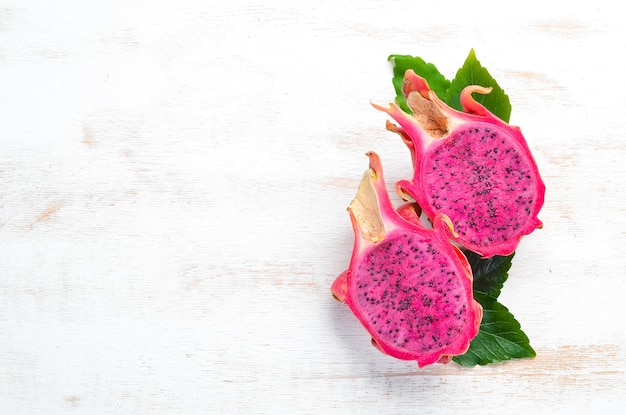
(173, 185)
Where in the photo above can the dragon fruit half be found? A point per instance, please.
(470, 165)
(408, 285)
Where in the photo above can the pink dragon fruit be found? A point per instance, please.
(470, 165)
(408, 285)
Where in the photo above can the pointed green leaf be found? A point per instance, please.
(401, 63)
(489, 274)
(500, 337)
(473, 73)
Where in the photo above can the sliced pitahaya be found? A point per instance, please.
(408, 285)
(470, 165)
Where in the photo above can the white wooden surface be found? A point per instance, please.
(173, 184)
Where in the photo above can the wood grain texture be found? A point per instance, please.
(173, 185)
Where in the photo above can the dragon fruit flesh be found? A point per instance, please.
(409, 286)
(470, 165)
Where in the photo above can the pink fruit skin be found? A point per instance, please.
(409, 286)
(471, 166)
